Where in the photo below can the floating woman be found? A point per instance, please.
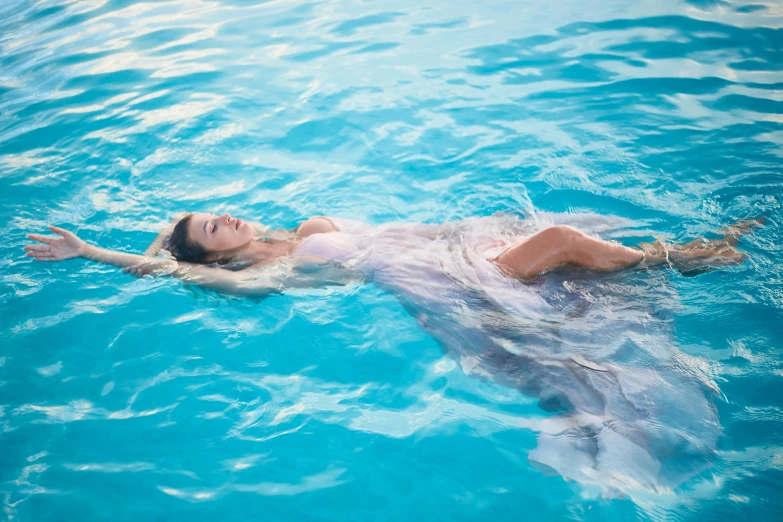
(625, 409)
(202, 239)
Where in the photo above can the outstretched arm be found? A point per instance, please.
(243, 283)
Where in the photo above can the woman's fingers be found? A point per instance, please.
(60, 231)
(49, 240)
(38, 248)
(134, 271)
(42, 239)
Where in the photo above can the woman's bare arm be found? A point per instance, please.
(243, 283)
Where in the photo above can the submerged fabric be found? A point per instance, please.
(631, 411)
(149, 399)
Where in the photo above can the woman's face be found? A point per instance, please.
(219, 233)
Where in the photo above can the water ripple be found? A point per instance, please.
(114, 115)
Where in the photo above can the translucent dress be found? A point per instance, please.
(625, 410)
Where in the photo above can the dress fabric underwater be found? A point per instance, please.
(623, 409)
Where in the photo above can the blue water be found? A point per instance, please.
(141, 399)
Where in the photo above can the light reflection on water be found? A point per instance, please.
(334, 403)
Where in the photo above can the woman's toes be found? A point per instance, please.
(734, 232)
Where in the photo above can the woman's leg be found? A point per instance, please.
(560, 245)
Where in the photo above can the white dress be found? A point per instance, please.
(633, 412)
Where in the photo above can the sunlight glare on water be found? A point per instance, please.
(142, 399)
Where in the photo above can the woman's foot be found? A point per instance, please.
(697, 256)
(732, 234)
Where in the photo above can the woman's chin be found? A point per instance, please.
(246, 229)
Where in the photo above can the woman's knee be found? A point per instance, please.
(563, 234)
(567, 242)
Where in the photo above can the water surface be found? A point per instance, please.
(144, 399)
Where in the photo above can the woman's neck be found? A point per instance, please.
(260, 251)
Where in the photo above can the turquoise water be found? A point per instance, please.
(150, 400)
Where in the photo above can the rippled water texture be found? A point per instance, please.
(146, 399)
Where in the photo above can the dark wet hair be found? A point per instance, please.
(182, 247)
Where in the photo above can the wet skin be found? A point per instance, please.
(219, 233)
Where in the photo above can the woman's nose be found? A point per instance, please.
(226, 217)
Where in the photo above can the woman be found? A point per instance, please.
(628, 411)
(201, 239)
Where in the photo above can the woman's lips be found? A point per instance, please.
(239, 222)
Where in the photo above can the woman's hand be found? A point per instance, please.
(56, 248)
(142, 269)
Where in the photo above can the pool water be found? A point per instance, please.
(147, 399)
